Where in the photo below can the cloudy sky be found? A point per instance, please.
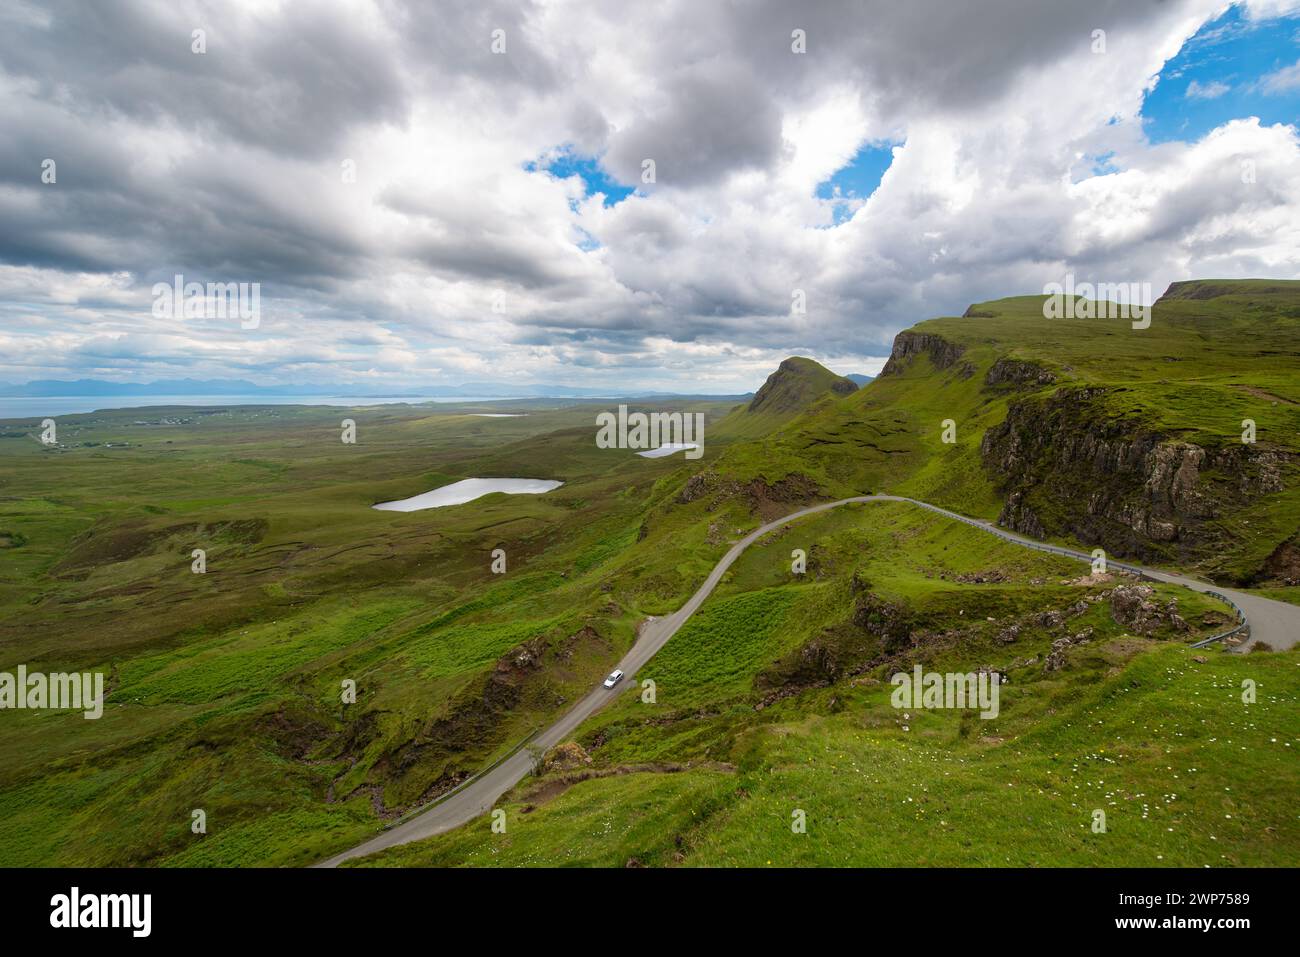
(432, 193)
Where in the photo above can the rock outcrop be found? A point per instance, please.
(888, 621)
(1134, 607)
(1283, 565)
(1070, 466)
(991, 577)
(760, 495)
(1017, 372)
(1055, 659)
(908, 345)
(1019, 517)
(566, 757)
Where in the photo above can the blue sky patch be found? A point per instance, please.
(853, 184)
(1232, 68)
(1102, 165)
(566, 163)
(1094, 164)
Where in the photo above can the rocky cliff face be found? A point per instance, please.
(1017, 372)
(1019, 516)
(1283, 565)
(909, 344)
(1068, 468)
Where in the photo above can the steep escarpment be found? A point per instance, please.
(910, 344)
(1084, 429)
(1069, 467)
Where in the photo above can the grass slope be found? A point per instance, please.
(224, 688)
(798, 385)
(1154, 734)
(1216, 353)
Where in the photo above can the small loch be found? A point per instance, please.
(466, 490)
(667, 449)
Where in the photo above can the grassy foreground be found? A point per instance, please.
(738, 739)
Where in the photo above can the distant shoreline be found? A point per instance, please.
(18, 407)
(26, 407)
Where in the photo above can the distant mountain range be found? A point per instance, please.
(240, 387)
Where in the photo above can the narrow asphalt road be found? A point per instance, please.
(1275, 622)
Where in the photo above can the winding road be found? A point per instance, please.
(1274, 622)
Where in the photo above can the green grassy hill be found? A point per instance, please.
(224, 688)
(797, 386)
(775, 699)
(1083, 429)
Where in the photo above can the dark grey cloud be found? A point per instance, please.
(449, 41)
(931, 54)
(226, 166)
(291, 82)
(715, 119)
